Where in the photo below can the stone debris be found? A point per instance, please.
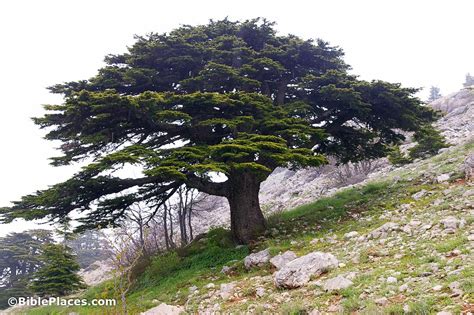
(299, 271)
(257, 259)
(164, 309)
(337, 283)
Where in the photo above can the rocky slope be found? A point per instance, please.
(409, 251)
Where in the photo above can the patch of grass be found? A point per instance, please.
(293, 308)
(329, 211)
(351, 304)
(420, 308)
(451, 244)
(394, 309)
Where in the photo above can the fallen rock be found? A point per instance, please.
(279, 261)
(257, 259)
(337, 283)
(381, 301)
(351, 234)
(468, 167)
(391, 280)
(383, 230)
(419, 194)
(299, 271)
(403, 287)
(164, 309)
(451, 223)
(468, 193)
(442, 178)
(193, 289)
(456, 288)
(226, 290)
(260, 291)
(226, 269)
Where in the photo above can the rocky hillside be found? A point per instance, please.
(400, 241)
(404, 245)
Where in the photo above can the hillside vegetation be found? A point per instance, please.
(419, 263)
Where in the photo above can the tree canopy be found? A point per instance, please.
(228, 98)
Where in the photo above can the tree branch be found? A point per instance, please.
(216, 189)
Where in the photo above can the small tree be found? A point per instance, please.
(57, 277)
(397, 158)
(469, 80)
(429, 142)
(434, 94)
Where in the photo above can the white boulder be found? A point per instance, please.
(257, 259)
(299, 271)
(164, 309)
(337, 283)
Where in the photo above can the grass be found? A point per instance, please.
(451, 244)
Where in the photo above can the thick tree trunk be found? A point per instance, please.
(247, 221)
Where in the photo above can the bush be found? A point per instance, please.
(429, 142)
(396, 157)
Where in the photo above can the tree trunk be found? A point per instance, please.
(247, 221)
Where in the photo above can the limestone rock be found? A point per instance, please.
(337, 283)
(164, 309)
(468, 167)
(299, 271)
(257, 259)
(419, 194)
(260, 291)
(381, 301)
(442, 178)
(391, 280)
(226, 290)
(383, 230)
(451, 223)
(351, 234)
(279, 261)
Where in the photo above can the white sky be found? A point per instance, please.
(418, 43)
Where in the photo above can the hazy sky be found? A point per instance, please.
(418, 43)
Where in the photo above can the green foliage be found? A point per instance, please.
(226, 97)
(19, 259)
(429, 142)
(396, 157)
(449, 245)
(57, 277)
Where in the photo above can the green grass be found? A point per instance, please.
(449, 245)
